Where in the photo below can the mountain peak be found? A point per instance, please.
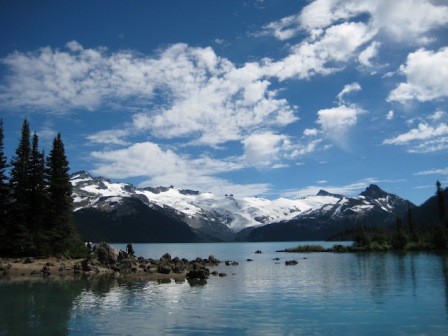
(374, 191)
(81, 174)
(326, 193)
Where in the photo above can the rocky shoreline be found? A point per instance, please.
(108, 261)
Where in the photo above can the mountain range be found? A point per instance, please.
(119, 212)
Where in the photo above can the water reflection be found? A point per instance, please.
(37, 307)
(326, 293)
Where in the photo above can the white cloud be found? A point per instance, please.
(263, 149)
(110, 137)
(284, 28)
(310, 132)
(409, 20)
(324, 55)
(336, 122)
(368, 53)
(442, 171)
(425, 138)
(302, 149)
(216, 102)
(401, 20)
(165, 167)
(323, 13)
(349, 190)
(426, 73)
(438, 115)
(390, 115)
(353, 87)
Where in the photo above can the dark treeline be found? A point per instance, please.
(35, 200)
(415, 231)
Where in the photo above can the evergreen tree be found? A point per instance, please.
(441, 202)
(17, 231)
(4, 189)
(399, 238)
(37, 197)
(412, 234)
(59, 224)
(440, 233)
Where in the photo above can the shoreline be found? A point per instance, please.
(52, 268)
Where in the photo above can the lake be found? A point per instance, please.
(324, 294)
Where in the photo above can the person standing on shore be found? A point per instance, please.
(130, 249)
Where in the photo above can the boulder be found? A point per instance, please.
(291, 262)
(46, 270)
(212, 260)
(200, 273)
(106, 255)
(164, 269)
(166, 257)
(125, 265)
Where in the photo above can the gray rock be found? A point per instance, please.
(164, 269)
(291, 262)
(106, 254)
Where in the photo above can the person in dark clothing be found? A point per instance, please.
(130, 249)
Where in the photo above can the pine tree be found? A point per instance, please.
(440, 234)
(4, 190)
(59, 223)
(38, 197)
(399, 238)
(441, 202)
(17, 231)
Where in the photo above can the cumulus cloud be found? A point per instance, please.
(401, 20)
(426, 73)
(353, 87)
(368, 54)
(145, 160)
(310, 132)
(284, 28)
(216, 102)
(263, 149)
(324, 55)
(409, 20)
(337, 121)
(390, 115)
(323, 13)
(111, 137)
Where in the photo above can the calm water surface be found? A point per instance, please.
(325, 294)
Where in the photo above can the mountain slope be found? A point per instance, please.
(210, 217)
(373, 207)
(133, 221)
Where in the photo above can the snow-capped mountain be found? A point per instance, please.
(221, 216)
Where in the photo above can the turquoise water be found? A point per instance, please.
(325, 294)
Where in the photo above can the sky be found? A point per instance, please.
(268, 98)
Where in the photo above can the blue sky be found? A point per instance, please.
(269, 98)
